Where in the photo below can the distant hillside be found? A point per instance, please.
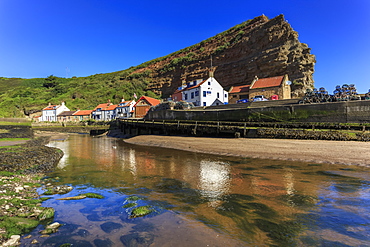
(257, 47)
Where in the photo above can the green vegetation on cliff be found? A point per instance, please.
(25, 96)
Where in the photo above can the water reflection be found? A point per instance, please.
(214, 181)
(200, 200)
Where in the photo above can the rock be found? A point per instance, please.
(103, 243)
(17, 189)
(55, 225)
(140, 211)
(47, 213)
(138, 239)
(259, 47)
(48, 231)
(108, 227)
(13, 241)
(73, 198)
(34, 241)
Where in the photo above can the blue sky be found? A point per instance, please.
(69, 38)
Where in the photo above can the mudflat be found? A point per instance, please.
(318, 151)
(11, 143)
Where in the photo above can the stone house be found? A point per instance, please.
(238, 92)
(271, 86)
(82, 115)
(66, 116)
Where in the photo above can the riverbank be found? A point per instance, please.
(21, 168)
(317, 151)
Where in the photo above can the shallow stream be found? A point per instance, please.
(202, 200)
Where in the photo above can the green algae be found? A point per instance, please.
(141, 211)
(17, 225)
(47, 213)
(92, 195)
(133, 198)
(283, 233)
(130, 205)
(48, 231)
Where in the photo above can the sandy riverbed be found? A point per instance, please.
(318, 151)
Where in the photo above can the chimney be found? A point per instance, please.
(254, 80)
(123, 99)
(49, 104)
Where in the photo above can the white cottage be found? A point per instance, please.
(51, 112)
(205, 93)
(125, 109)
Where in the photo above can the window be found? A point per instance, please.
(185, 96)
(225, 95)
(204, 104)
(196, 93)
(218, 95)
(204, 93)
(209, 82)
(192, 95)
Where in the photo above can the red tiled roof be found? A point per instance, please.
(50, 107)
(240, 89)
(151, 101)
(268, 82)
(102, 106)
(110, 108)
(82, 113)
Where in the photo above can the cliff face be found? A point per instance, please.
(258, 47)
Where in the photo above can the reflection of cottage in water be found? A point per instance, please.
(214, 180)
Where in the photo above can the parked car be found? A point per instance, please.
(259, 98)
(242, 101)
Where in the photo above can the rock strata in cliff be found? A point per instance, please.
(258, 47)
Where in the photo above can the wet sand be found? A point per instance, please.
(317, 151)
(11, 143)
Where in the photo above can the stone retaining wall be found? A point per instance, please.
(337, 112)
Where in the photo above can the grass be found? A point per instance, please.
(11, 147)
(14, 139)
(15, 123)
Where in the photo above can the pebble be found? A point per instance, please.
(34, 241)
(55, 225)
(17, 189)
(13, 241)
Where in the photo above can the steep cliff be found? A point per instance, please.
(258, 47)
